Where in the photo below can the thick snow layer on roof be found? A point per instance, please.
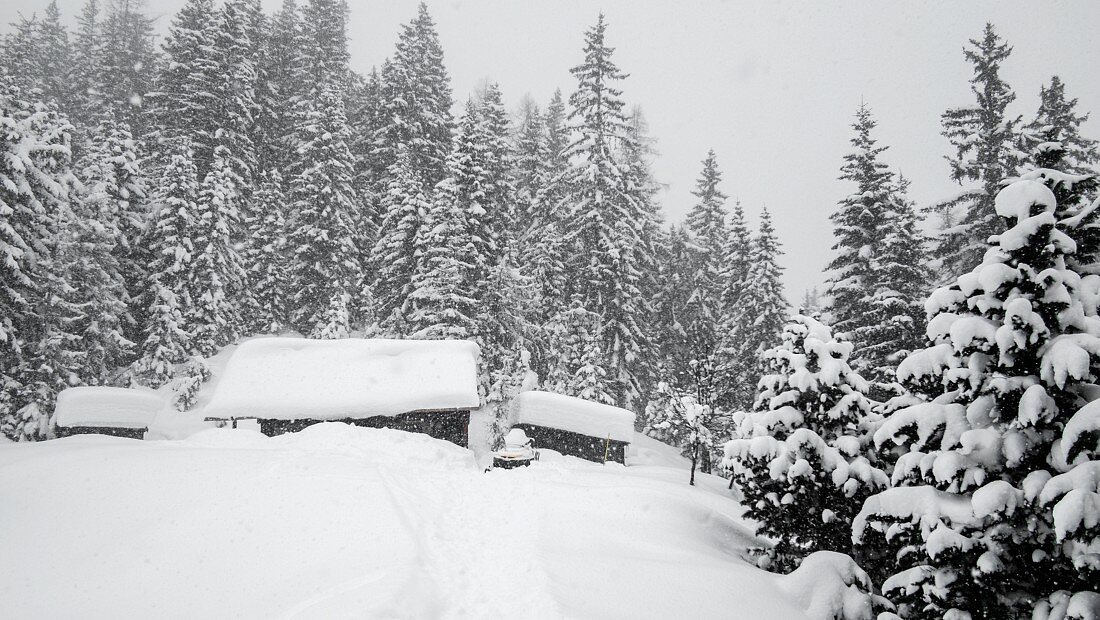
(573, 414)
(290, 378)
(107, 406)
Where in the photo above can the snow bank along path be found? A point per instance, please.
(338, 521)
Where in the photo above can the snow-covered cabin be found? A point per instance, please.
(426, 386)
(574, 426)
(121, 412)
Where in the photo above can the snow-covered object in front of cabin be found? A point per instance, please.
(516, 439)
(831, 586)
(294, 378)
(575, 415)
(997, 460)
(101, 406)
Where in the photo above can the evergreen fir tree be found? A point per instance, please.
(186, 88)
(707, 224)
(576, 367)
(416, 103)
(87, 67)
(1054, 135)
(500, 190)
(268, 264)
(172, 244)
(441, 304)
(325, 55)
(285, 79)
(979, 522)
(798, 458)
(985, 140)
(896, 320)
(758, 322)
(393, 258)
(55, 63)
(215, 272)
(38, 347)
(877, 278)
(606, 203)
(324, 257)
(111, 169)
(129, 63)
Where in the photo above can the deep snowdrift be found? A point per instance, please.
(339, 521)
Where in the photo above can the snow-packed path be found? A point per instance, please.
(339, 521)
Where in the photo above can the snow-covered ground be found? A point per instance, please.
(339, 521)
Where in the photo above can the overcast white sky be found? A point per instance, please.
(770, 86)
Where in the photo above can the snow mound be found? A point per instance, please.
(830, 586)
(339, 521)
(290, 378)
(576, 415)
(101, 406)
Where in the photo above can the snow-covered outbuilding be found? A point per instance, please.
(574, 426)
(425, 386)
(121, 412)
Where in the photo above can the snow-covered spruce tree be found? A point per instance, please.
(38, 350)
(215, 274)
(236, 55)
(607, 217)
(757, 322)
(171, 241)
(896, 305)
(130, 63)
(798, 458)
(416, 104)
(575, 367)
(529, 169)
(325, 51)
(393, 257)
(282, 79)
(181, 104)
(877, 280)
(324, 258)
(1057, 121)
(500, 190)
(55, 61)
(986, 152)
(86, 72)
(706, 222)
(267, 259)
(543, 252)
(981, 519)
(678, 419)
(96, 246)
(441, 302)
(856, 223)
(674, 262)
(112, 174)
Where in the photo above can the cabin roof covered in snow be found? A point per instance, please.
(101, 406)
(294, 378)
(576, 415)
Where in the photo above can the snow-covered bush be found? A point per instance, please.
(798, 458)
(831, 586)
(680, 420)
(996, 507)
